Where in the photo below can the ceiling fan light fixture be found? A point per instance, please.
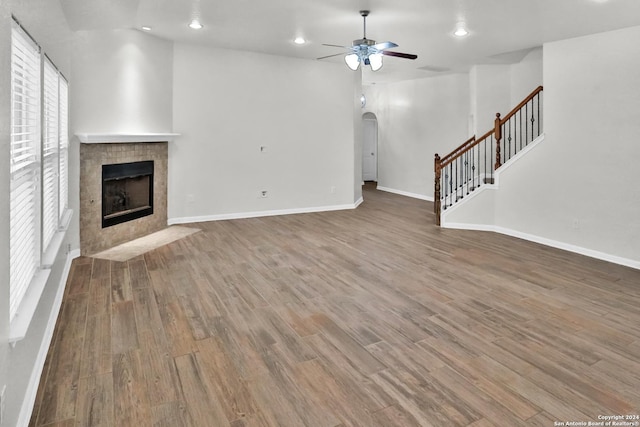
(375, 60)
(352, 60)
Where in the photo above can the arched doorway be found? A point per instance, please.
(369, 147)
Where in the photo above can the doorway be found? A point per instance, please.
(369, 147)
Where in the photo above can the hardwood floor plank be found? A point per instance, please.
(79, 276)
(101, 269)
(394, 416)
(172, 414)
(294, 405)
(598, 399)
(372, 396)
(359, 357)
(95, 401)
(515, 376)
(337, 391)
(428, 404)
(467, 392)
(203, 408)
(130, 394)
(177, 328)
(123, 324)
(148, 319)
(120, 282)
(223, 380)
(138, 273)
(96, 352)
(61, 392)
(159, 371)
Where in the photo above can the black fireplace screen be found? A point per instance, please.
(127, 192)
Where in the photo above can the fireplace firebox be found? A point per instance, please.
(127, 192)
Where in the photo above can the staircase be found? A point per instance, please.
(473, 164)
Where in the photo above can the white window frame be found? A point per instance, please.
(39, 162)
(25, 165)
(50, 149)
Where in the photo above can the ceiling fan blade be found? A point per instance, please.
(399, 54)
(385, 45)
(329, 56)
(335, 45)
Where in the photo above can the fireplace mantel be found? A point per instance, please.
(123, 138)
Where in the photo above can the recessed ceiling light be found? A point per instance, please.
(146, 28)
(195, 24)
(299, 40)
(461, 31)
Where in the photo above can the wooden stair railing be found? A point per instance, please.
(473, 163)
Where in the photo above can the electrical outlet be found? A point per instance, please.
(264, 194)
(2, 403)
(263, 148)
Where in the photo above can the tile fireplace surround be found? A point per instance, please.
(94, 238)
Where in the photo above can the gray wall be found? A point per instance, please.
(227, 104)
(416, 119)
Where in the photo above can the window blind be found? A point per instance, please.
(64, 147)
(50, 141)
(24, 218)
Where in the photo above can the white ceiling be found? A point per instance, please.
(501, 30)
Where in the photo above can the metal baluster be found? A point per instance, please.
(504, 152)
(538, 96)
(491, 166)
(466, 170)
(533, 120)
(526, 125)
(473, 167)
(443, 179)
(509, 138)
(450, 184)
(520, 116)
(485, 160)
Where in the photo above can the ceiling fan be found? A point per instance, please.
(367, 51)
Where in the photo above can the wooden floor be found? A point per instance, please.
(368, 317)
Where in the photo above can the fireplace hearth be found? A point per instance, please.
(127, 192)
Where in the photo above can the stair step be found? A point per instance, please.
(489, 180)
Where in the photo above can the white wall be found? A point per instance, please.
(122, 82)
(227, 104)
(577, 189)
(416, 119)
(490, 94)
(526, 75)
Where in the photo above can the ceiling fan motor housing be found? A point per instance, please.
(364, 42)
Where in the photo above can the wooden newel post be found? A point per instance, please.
(498, 134)
(436, 193)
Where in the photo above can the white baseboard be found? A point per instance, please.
(547, 242)
(34, 381)
(406, 193)
(258, 214)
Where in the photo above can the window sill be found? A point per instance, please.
(20, 324)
